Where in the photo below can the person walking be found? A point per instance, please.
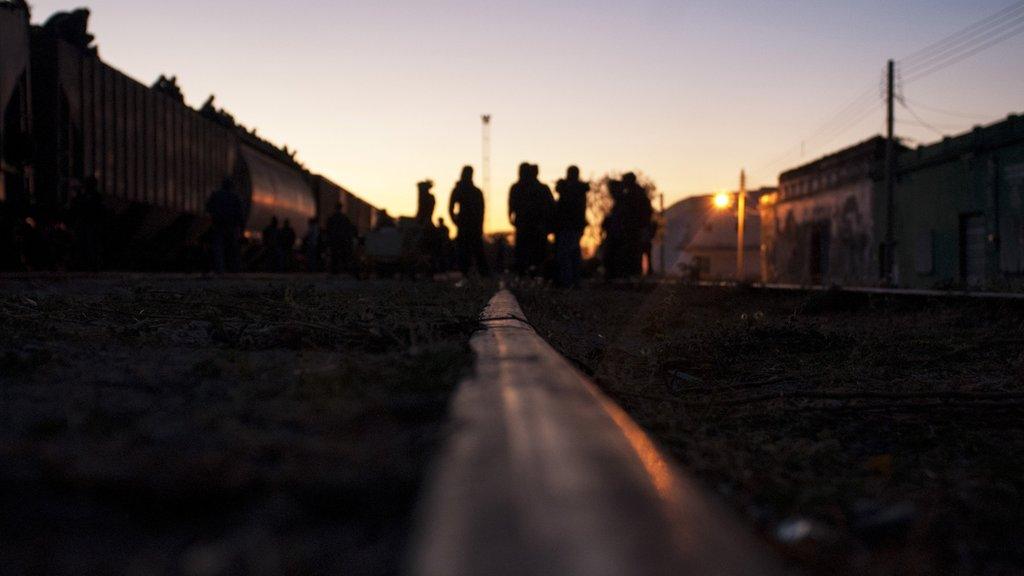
(569, 222)
(466, 209)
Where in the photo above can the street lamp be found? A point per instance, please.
(722, 201)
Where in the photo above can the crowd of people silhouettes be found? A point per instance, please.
(537, 215)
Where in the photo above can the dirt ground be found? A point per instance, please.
(176, 425)
(860, 435)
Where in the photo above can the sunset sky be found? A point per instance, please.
(378, 95)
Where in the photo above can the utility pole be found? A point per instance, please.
(888, 257)
(486, 159)
(663, 232)
(741, 219)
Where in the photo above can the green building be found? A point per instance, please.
(959, 211)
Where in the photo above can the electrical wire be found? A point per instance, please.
(953, 113)
(964, 55)
(960, 45)
(920, 120)
(1000, 16)
(963, 44)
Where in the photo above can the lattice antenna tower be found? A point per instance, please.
(485, 166)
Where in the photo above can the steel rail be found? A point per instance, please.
(543, 474)
(919, 292)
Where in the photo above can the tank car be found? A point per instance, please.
(15, 127)
(155, 160)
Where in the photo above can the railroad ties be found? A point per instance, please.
(542, 474)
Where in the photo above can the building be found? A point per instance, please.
(959, 211)
(825, 225)
(680, 223)
(700, 238)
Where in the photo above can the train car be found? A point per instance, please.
(156, 159)
(328, 195)
(273, 185)
(15, 105)
(153, 159)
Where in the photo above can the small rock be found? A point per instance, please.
(797, 530)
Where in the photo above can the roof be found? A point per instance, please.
(873, 148)
(982, 138)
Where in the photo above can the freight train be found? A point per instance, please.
(68, 117)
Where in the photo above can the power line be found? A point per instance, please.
(954, 38)
(850, 116)
(958, 58)
(921, 121)
(937, 56)
(953, 113)
(957, 49)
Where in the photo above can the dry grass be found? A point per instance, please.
(189, 426)
(860, 434)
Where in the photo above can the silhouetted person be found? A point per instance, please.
(87, 210)
(569, 222)
(425, 204)
(614, 225)
(228, 215)
(443, 247)
(341, 235)
(530, 204)
(287, 237)
(638, 214)
(466, 208)
(272, 245)
(311, 246)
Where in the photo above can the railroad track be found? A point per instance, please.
(543, 474)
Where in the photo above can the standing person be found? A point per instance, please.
(614, 226)
(529, 209)
(425, 204)
(341, 234)
(466, 209)
(442, 256)
(311, 246)
(569, 222)
(545, 207)
(638, 223)
(287, 245)
(228, 215)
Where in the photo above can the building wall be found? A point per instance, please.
(976, 178)
(716, 264)
(682, 221)
(828, 237)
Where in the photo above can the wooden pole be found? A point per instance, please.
(741, 217)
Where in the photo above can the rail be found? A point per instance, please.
(543, 474)
(920, 292)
